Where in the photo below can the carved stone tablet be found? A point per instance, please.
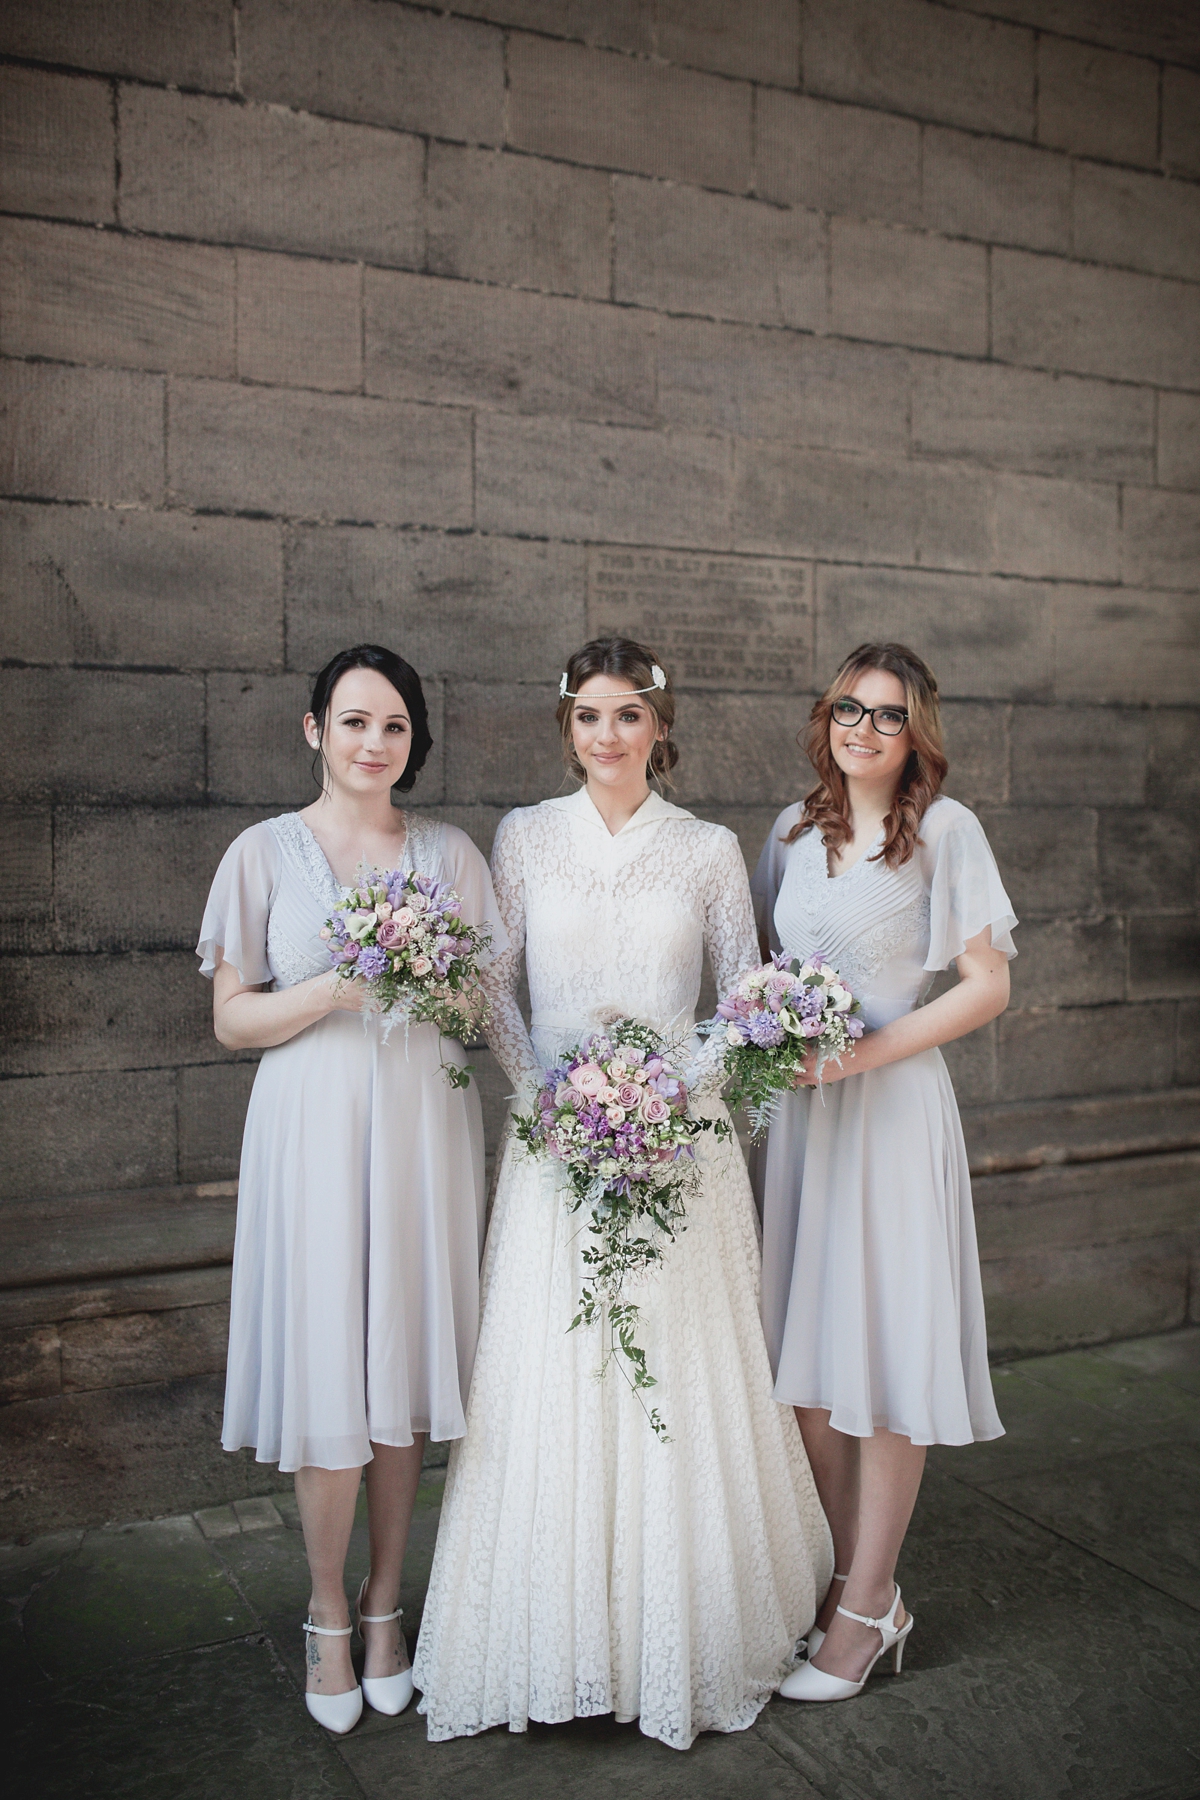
(717, 621)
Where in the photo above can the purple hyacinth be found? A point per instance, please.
(371, 963)
(765, 1031)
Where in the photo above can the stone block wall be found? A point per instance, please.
(754, 329)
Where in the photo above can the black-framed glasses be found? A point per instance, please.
(889, 721)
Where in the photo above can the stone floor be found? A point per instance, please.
(1054, 1576)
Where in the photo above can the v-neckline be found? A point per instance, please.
(856, 864)
(342, 886)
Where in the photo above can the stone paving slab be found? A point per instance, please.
(1054, 1577)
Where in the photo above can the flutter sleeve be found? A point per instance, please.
(506, 1034)
(239, 906)
(768, 875)
(472, 882)
(966, 894)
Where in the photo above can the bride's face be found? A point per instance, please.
(368, 733)
(613, 737)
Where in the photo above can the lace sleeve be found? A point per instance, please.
(732, 944)
(507, 1035)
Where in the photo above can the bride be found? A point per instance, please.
(583, 1566)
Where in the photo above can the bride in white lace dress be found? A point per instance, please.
(583, 1566)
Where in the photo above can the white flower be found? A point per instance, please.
(840, 998)
(732, 1035)
(609, 1166)
(358, 924)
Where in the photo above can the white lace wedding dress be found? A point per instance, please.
(583, 1566)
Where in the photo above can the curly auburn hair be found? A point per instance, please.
(631, 662)
(826, 807)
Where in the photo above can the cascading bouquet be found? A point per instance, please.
(614, 1113)
(402, 935)
(773, 1021)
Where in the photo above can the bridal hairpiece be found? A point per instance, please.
(659, 681)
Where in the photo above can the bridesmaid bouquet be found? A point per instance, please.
(403, 936)
(775, 1018)
(614, 1113)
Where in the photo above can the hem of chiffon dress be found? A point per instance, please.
(920, 1439)
(287, 1466)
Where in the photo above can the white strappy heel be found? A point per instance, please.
(816, 1636)
(336, 1712)
(808, 1683)
(384, 1693)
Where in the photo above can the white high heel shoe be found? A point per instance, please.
(336, 1712)
(808, 1683)
(384, 1693)
(816, 1636)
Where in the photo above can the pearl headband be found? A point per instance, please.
(659, 681)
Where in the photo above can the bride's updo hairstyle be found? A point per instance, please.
(825, 808)
(634, 663)
(404, 679)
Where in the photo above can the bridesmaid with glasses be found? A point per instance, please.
(871, 1293)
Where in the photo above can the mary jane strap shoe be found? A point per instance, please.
(384, 1693)
(339, 1713)
(809, 1683)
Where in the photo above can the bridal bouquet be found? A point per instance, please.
(773, 1021)
(614, 1113)
(403, 935)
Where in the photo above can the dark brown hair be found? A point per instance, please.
(826, 808)
(404, 679)
(630, 662)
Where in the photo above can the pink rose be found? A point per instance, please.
(654, 1109)
(629, 1095)
(615, 1115)
(811, 1027)
(589, 1078)
(607, 1095)
(403, 915)
(389, 934)
(421, 965)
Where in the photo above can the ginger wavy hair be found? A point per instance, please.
(826, 807)
(634, 663)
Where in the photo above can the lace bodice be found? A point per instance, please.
(886, 931)
(611, 925)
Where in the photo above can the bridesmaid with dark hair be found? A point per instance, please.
(361, 1201)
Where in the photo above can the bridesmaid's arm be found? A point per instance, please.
(981, 994)
(249, 1018)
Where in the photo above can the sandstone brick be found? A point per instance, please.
(857, 508)
(65, 1013)
(1087, 755)
(1147, 860)
(760, 42)
(1160, 538)
(453, 343)
(81, 434)
(57, 145)
(739, 749)
(517, 221)
(1048, 857)
(971, 1061)
(717, 622)
(1023, 419)
(267, 177)
(1057, 1299)
(985, 638)
(437, 599)
(977, 744)
(190, 45)
(133, 737)
(1140, 221)
(838, 159)
(1069, 962)
(1056, 530)
(1164, 957)
(1097, 102)
(685, 251)
(782, 385)
(617, 112)
(1179, 440)
(138, 1347)
(1181, 121)
(318, 455)
(907, 56)
(384, 65)
(135, 877)
(299, 321)
(212, 1114)
(615, 24)
(26, 880)
(1174, 775)
(502, 743)
(1056, 314)
(1000, 192)
(1168, 31)
(30, 1363)
(1187, 1062)
(601, 482)
(908, 287)
(1085, 1050)
(79, 295)
(1124, 646)
(87, 585)
(257, 754)
(72, 1134)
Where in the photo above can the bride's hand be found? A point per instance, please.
(345, 995)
